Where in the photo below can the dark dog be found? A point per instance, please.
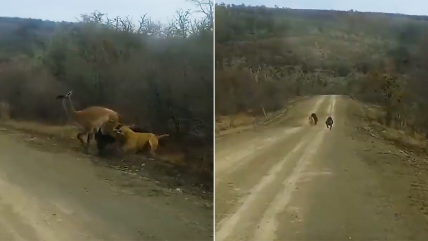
(315, 117)
(329, 122)
(104, 140)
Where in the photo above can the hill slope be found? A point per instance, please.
(265, 56)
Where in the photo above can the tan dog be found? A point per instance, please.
(134, 142)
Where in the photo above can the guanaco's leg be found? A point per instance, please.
(101, 146)
(85, 145)
(90, 136)
(79, 137)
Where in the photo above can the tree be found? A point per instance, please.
(207, 8)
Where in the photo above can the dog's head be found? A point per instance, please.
(123, 131)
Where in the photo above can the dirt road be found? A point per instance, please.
(298, 182)
(63, 196)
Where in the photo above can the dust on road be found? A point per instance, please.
(298, 182)
(63, 196)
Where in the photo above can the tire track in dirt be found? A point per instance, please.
(256, 211)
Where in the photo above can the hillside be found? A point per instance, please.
(97, 49)
(115, 63)
(18, 35)
(265, 56)
(333, 37)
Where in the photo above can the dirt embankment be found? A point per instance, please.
(173, 168)
(399, 158)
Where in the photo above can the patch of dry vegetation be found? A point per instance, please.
(265, 56)
(119, 65)
(53, 131)
(404, 138)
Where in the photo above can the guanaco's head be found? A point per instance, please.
(68, 95)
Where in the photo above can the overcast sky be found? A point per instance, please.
(413, 7)
(69, 10)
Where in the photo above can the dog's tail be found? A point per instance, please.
(162, 136)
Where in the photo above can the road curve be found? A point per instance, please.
(299, 182)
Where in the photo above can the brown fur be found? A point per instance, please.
(134, 142)
(313, 115)
(311, 121)
(90, 119)
(329, 122)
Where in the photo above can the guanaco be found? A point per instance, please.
(90, 120)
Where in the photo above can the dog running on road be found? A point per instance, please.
(329, 122)
(313, 119)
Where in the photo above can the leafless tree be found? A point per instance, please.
(207, 8)
(181, 24)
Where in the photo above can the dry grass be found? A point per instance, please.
(409, 139)
(4, 111)
(373, 113)
(231, 124)
(61, 132)
(170, 158)
(69, 133)
(225, 125)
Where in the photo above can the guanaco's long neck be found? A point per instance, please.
(71, 104)
(65, 108)
(71, 114)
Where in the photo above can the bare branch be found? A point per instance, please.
(207, 8)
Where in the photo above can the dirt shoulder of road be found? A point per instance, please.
(169, 171)
(399, 159)
(226, 125)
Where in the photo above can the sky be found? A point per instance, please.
(412, 7)
(69, 10)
